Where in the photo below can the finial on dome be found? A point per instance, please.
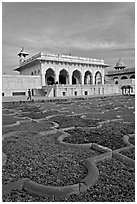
(22, 49)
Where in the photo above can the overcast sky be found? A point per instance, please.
(103, 30)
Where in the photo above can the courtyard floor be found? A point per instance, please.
(31, 149)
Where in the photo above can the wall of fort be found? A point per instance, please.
(13, 85)
(122, 77)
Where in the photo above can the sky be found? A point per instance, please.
(102, 30)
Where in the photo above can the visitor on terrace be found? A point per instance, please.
(29, 94)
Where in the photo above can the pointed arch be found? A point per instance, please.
(76, 77)
(50, 76)
(98, 78)
(63, 77)
(132, 76)
(88, 78)
(124, 77)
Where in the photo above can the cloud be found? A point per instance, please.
(60, 41)
(65, 27)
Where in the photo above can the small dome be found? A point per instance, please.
(23, 52)
(120, 64)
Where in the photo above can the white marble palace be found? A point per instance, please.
(62, 69)
(53, 75)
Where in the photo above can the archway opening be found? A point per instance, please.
(98, 78)
(132, 76)
(76, 77)
(124, 77)
(50, 77)
(126, 89)
(115, 80)
(74, 80)
(50, 80)
(88, 77)
(63, 77)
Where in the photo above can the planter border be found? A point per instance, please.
(126, 139)
(124, 159)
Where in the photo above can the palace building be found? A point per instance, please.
(62, 69)
(52, 75)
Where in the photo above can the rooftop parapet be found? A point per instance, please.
(63, 58)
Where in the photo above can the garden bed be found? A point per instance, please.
(128, 118)
(8, 120)
(110, 135)
(40, 114)
(30, 126)
(6, 112)
(132, 140)
(129, 153)
(38, 158)
(41, 159)
(11, 105)
(102, 116)
(34, 115)
(116, 183)
(26, 108)
(112, 186)
(74, 121)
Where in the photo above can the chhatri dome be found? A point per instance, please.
(120, 65)
(22, 54)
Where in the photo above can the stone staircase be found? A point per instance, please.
(45, 91)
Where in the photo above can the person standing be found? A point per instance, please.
(29, 94)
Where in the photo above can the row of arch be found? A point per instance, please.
(76, 78)
(116, 79)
